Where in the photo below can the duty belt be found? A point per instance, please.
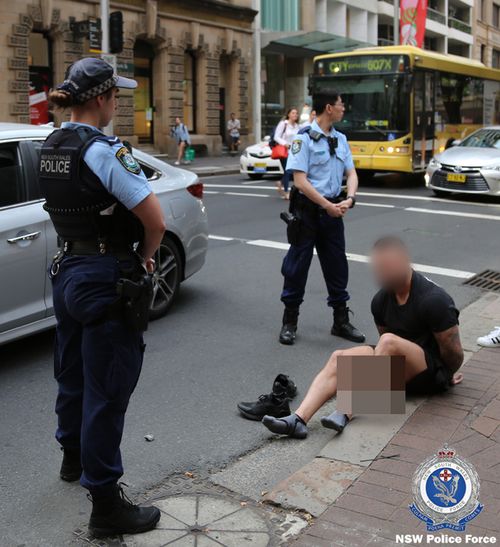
(304, 203)
(95, 247)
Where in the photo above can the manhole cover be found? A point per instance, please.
(489, 280)
(196, 513)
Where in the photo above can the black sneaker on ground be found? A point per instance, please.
(115, 514)
(342, 326)
(71, 467)
(283, 386)
(266, 404)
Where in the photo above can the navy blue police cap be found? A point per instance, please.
(90, 77)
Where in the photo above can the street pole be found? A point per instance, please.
(105, 26)
(396, 22)
(108, 130)
(257, 107)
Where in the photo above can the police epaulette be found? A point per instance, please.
(314, 135)
(111, 140)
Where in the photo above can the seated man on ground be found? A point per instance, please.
(414, 317)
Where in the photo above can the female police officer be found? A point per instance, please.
(101, 206)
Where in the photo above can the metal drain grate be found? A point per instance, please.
(488, 280)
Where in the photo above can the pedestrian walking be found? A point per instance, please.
(233, 129)
(319, 158)
(284, 134)
(181, 135)
(109, 225)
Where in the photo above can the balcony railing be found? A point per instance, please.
(459, 25)
(436, 15)
(385, 42)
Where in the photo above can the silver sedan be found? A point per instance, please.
(470, 166)
(28, 240)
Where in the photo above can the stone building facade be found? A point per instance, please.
(487, 32)
(192, 59)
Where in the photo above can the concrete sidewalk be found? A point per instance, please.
(202, 166)
(372, 506)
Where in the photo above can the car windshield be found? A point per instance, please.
(376, 107)
(484, 138)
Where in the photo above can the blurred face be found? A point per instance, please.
(177, 121)
(293, 116)
(391, 267)
(336, 110)
(233, 115)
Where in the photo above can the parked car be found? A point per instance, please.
(470, 166)
(256, 161)
(28, 240)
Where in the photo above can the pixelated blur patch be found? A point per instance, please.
(128, 161)
(371, 384)
(296, 146)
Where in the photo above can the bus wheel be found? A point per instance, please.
(365, 176)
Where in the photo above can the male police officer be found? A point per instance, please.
(101, 206)
(319, 158)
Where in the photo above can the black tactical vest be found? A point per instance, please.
(79, 205)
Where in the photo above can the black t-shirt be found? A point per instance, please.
(429, 309)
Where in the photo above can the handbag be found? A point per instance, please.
(279, 151)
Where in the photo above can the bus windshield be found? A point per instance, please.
(376, 106)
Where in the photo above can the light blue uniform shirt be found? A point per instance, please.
(324, 172)
(127, 187)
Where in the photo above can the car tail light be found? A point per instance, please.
(196, 190)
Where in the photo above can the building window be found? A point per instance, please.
(189, 85)
(495, 58)
(280, 15)
(496, 15)
(482, 6)
(482, 57)
(40, 74)
(385, 35)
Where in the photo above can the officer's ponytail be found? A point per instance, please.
(60, 98)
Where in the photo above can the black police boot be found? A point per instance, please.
(71, 466)
(115, 514)
(275, 404)
(289, 328)
(342, 326)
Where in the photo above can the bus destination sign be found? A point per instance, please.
(362, 64)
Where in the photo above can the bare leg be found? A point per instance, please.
(324, 386)
(415, 363)
(180, 151)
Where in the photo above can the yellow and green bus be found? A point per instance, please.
(404, 104)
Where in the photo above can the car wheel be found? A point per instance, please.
(440, 193)
(253, 176)
(166, 278)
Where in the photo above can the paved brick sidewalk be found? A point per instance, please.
(375, 507)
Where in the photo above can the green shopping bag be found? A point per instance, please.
(189, 154)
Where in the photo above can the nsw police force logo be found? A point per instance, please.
(446, 491)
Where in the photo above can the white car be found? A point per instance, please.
(256, 161)
(28, 240)
(470, 166)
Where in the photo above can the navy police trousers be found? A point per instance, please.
(327, 235)
(97, 363)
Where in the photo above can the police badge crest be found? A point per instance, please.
(446, 491)
(128, 161)
(296, 146)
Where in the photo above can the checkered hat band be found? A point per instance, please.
(97, 90)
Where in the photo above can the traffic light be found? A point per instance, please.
(116, 32)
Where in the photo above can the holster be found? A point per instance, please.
(135, 295)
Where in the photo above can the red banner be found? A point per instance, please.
(412, 15)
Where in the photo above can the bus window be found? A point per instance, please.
(459, 99)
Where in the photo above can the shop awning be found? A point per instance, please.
(312, 43)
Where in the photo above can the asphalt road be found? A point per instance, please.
(219, 345)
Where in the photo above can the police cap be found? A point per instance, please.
(90, 77)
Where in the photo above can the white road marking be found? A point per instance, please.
(452, 213)
(247, 195)
(381, 205)
(221, 238)
(210, 192)
(425, 268)
(370, 194)
(376, 205)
